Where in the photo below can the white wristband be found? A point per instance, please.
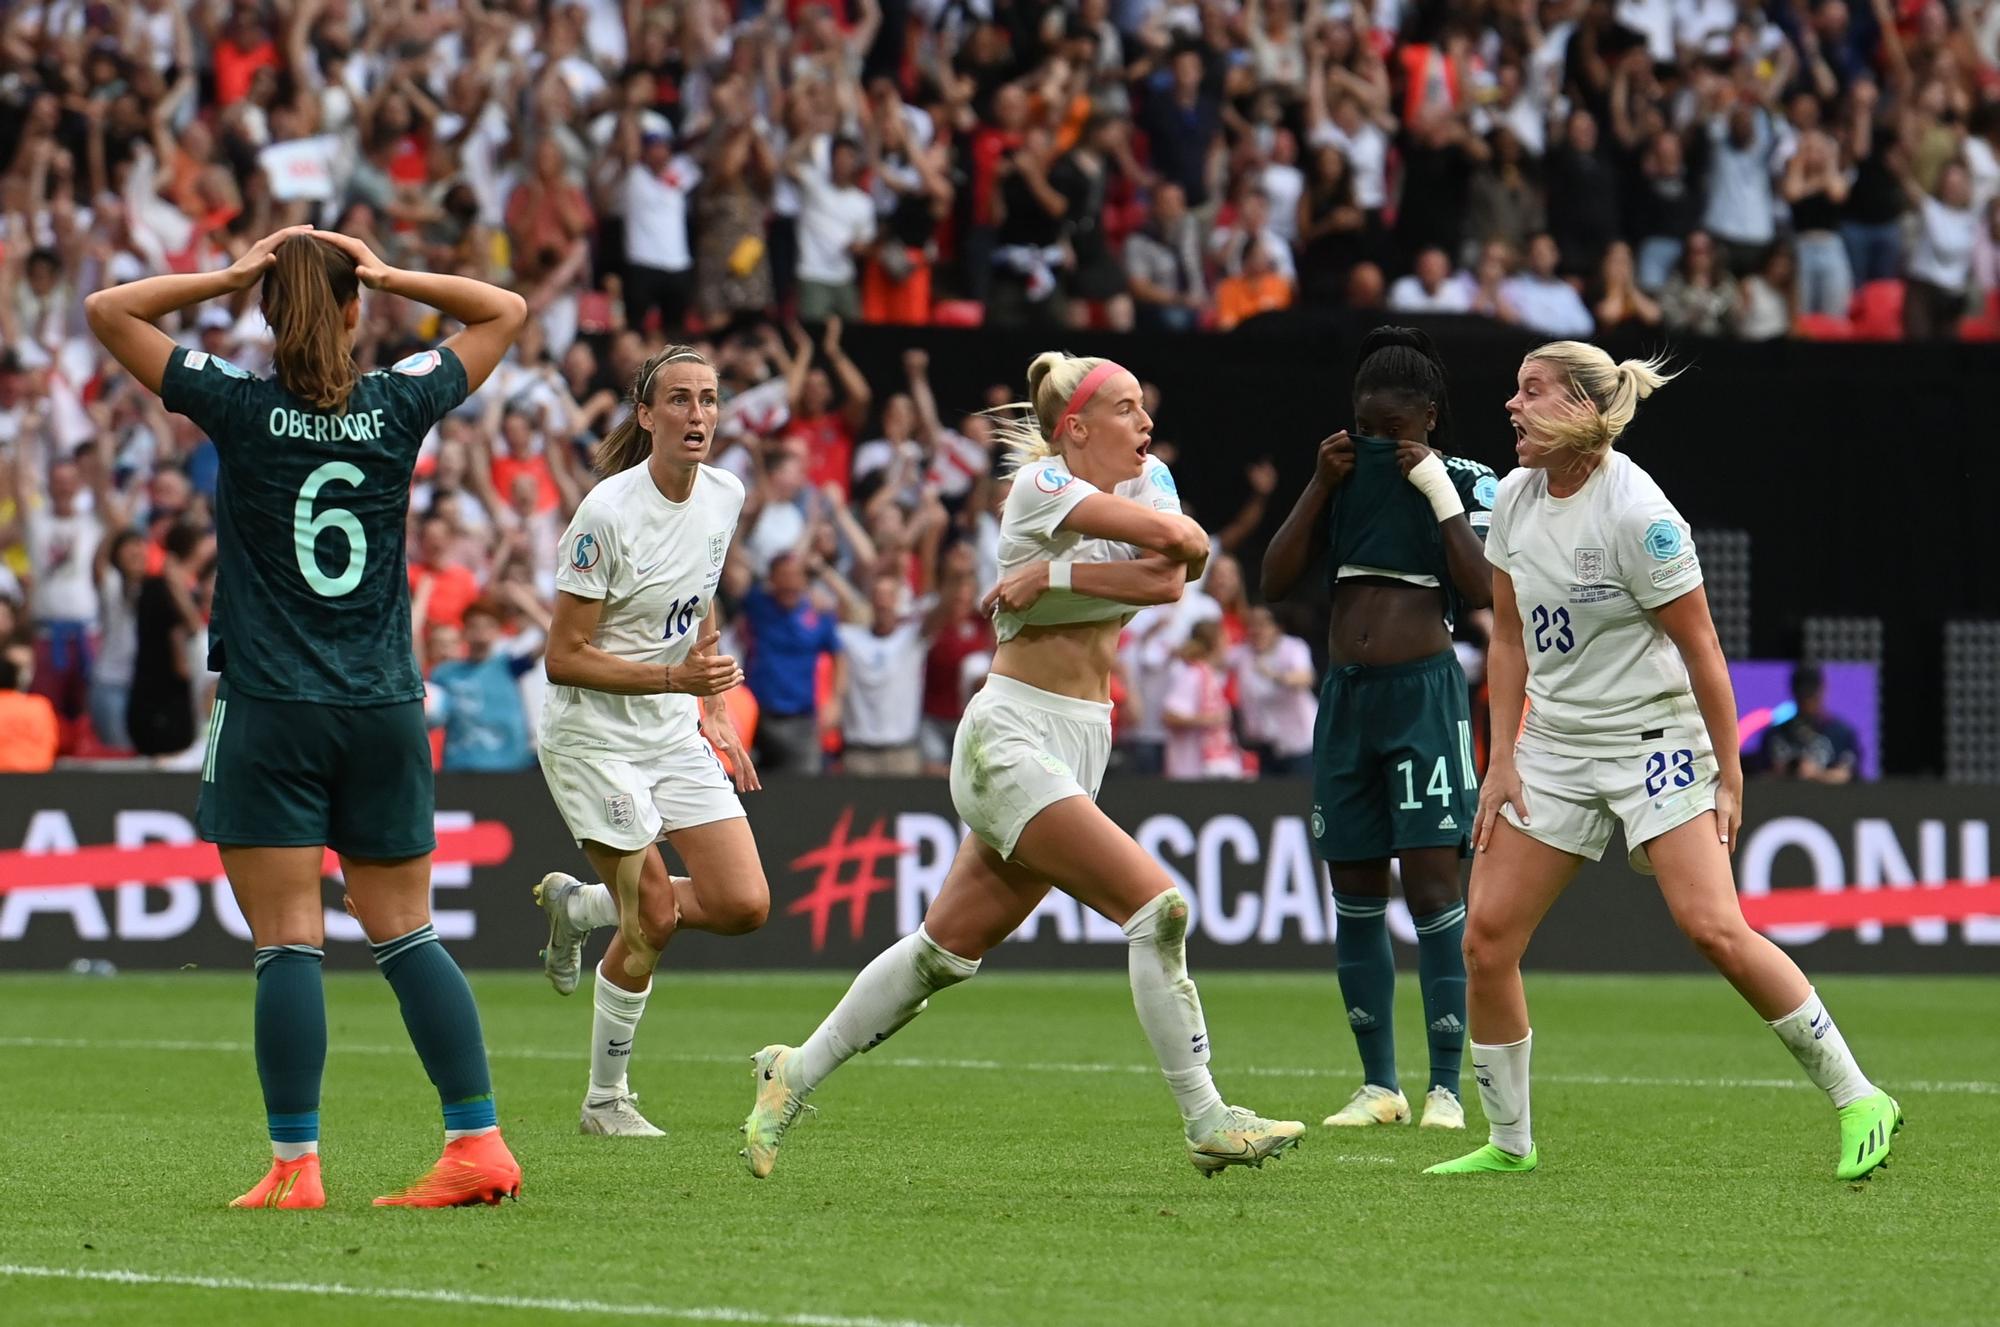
(1434, 482)
(1059, 575)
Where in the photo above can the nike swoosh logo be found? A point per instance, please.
(616, 1044)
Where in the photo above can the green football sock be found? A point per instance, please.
(1441, 974)
(443, 1023)
(1367, 969)
(291, 1045)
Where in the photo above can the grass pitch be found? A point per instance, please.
(1011, 1157)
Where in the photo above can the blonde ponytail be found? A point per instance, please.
(1603, 396)
(1027, 428)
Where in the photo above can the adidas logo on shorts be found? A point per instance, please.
(1447, 823)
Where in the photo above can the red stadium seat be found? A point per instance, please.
(1823, 327)
(958, 313)
(1984, 325)
(1877, 311)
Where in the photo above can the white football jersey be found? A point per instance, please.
(656, 565)
(1044, 493)
(1602, 674)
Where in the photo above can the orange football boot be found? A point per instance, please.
(478, 1169)
(291, 1185)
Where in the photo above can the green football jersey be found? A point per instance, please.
(312, 591)
(1380, 522)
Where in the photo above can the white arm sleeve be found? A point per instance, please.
(589, 554)
(1656, 555)
(1044, 493)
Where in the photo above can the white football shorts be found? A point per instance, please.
(627, 805)
(1020, 749)
(1574, 799)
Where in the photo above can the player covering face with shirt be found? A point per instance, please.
(1602, 631)
(1392, 748)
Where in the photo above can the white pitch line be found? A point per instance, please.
(454, 1298)
(1963, 1087)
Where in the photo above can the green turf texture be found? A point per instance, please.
(962, 1193)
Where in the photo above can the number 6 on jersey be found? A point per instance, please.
(306, 530)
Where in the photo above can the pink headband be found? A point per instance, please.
(1086, 389)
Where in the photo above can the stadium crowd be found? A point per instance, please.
(754, 176)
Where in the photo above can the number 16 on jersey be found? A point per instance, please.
(681, 616)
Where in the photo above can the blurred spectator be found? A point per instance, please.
(824, 421)
(1741, 213)
(1366, 287)
(1620, 301)
(1543, 301)
(160, 714)
(28, 725)
(1184, 125)
(886, 650)
(1814, 745)
(654, 193)
(1940, 279)
(836, 227)
(1504, 201)
(1201, 741)
(1814, 189)
(476, 696)
(788, 634)
(1084, 177)
(1699, 299)
(1766, 310)
(121, 575)
(1163, 265)
(1258, 288)
(1333, 230)
(1432, 288)
(1583, 194)
(1668, 209)
(1871, 223)
(1439, 156)
(1277, 698)
(438, 573)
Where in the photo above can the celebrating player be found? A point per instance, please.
(317, 738)
(1392, 750)
(1602, 626)
(1091, 529)
(623, 743)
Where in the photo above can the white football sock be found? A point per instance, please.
(1502, 1073)
(890, 991)
(293, 1151)
(1810, 1035)
(593, 906)
(1170, 1008)
(612, 1024)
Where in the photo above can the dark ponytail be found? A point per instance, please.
(306, 294)
(627, 444)
(1403, 359)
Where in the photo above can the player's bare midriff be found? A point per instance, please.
(1377, 621)
(1073, 659)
